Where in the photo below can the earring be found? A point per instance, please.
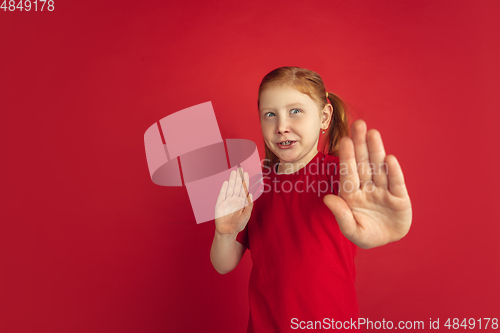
(323, 132)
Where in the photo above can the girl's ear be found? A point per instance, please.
(326, 115)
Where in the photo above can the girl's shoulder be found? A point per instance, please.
(330, 158)
(330, 164)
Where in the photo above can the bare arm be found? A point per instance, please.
(232, 212)
(226, 252)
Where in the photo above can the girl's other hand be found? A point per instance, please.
(234, 204)
(373, 207)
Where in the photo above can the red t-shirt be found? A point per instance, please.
(303, 266)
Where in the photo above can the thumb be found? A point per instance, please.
(342, 213)
(248, 205)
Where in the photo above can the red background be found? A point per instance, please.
(90, 244)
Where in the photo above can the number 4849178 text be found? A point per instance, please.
(27, 5)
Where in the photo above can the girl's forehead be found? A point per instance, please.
(278, 95)
(280, 89)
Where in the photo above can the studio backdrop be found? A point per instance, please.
(89, 243)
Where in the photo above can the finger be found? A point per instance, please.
(396, 179)
(230, 188)
(349, 179)
(249, 199)
(377, 157)
(247, 210)
(343, 215)
(361, 151)
(222, 193)
(238, 182)
(249, 203)
(245, 186)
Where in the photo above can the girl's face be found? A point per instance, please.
(286, 114)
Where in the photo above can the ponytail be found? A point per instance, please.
(339, 125)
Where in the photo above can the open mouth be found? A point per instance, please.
(287, 144)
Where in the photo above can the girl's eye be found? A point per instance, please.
(270, 114)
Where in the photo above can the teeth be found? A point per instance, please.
(286, 143)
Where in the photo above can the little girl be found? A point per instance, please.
(316, 208)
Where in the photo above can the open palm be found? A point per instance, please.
(234, 204)
(373, 207)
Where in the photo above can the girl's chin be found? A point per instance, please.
(286, 156)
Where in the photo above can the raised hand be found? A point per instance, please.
(234, 204)
(373, 207)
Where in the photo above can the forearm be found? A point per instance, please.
(224, 253)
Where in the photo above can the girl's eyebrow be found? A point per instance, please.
(286, 106)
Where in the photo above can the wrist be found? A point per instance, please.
(225, 237)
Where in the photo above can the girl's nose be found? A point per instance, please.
(283, 127)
